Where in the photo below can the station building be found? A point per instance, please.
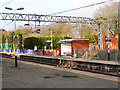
(70, 46)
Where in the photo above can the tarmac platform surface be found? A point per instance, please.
(33, 75)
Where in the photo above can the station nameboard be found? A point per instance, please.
(108, 41)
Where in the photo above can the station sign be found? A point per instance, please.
(107, 41)
(16, 39)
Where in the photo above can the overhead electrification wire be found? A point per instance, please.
(3, 6)
(6, 25)
(6, 3)
(82, 7)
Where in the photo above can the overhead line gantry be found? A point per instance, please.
(57, 19)
(45, 18)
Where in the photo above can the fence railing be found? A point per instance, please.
(98, 55)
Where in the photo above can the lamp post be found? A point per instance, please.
(15, 30)
(51, 41)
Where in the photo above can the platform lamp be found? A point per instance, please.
(15, 30)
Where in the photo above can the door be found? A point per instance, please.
(66, 49)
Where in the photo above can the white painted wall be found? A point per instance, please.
(66, 48)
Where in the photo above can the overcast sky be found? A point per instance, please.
(49, 6)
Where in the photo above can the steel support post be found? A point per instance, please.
(100, 40)
(15, 45)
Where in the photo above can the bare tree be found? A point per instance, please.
(110, 12)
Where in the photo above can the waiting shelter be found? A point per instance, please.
(69, 47)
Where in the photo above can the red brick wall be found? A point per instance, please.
(113, 45)
(80, 44)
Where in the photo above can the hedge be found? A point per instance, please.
(40, 42)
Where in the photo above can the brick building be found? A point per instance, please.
(113, 45)
(70, 46)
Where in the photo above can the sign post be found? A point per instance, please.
(108, 42)
(16, 41)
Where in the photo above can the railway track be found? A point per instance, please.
(101, 67)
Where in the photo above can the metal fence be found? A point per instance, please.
(98, 55)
